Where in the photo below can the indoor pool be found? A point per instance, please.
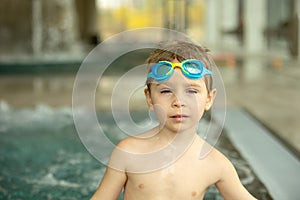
(43, 158)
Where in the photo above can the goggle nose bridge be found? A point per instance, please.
(177, 65)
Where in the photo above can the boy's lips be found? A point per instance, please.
(178, 117)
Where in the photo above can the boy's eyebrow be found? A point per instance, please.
(193, 85)
(159, 84)
(186, 85)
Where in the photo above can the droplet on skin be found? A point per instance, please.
(141, 186)
(194, 193)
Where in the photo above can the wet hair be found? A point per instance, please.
(181, 50)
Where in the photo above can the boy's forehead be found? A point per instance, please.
(184, 82)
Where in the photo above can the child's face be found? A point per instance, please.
(179, 102)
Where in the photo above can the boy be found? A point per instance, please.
(163, 163)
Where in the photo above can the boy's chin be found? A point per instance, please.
(180, 129)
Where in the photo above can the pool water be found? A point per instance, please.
(43, 158)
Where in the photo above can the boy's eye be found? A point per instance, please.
(192, 91)
(165, 91)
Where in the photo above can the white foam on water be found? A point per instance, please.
(33, 118)
(50, 180)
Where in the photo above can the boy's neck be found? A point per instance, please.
(166, 137)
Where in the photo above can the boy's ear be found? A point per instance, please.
(148, 98)
(210, 99)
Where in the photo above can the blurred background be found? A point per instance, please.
(255, 44)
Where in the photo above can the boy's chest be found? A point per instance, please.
(180, 179)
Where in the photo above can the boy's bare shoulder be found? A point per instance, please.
(128, 143)
(219, 157)
(138, 143)
(220, 163)
(216, 160)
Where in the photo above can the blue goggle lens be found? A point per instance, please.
(193, 68)
(162, 69)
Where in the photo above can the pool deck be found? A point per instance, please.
(275, 165)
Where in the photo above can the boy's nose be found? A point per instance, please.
(178, 101)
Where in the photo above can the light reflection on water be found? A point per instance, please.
(43, 158)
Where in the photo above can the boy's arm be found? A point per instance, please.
(111, 185)
(113, 180)
(229, 184)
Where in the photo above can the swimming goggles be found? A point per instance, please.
(192, 69)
